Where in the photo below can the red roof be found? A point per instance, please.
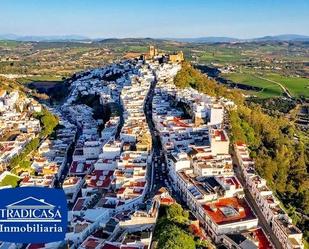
(90, 243)
(109, 246)
(229, 210)
(197, 231)
(263, 240)
(240, 143)
(79, 204)
(83, 166)
(36, 246)
(121, 190)
(167, 201)
(129, 247)
(102, 176)
(207, 157)
(179, 122)
(221, 134)
(137, 184)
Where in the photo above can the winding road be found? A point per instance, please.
(285, 90)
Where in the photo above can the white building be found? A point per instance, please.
(91, 149)
(219, 141)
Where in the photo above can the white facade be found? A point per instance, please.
(91, 149)
(111, 150)
(219, 141)
(216, 115)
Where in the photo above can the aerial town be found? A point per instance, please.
(157, 145)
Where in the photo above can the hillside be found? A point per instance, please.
(279, 158)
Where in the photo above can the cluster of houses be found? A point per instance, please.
(105, 177)
(106, 82)
(106, 181)
(277, 218)
(51, 157)
(17, 126)
(196, 147)
(103, 166)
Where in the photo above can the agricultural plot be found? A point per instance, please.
(298, 87)
(268, 89)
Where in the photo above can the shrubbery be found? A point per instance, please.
(172, 230)
(188, 76)
(48, 123)
(21, 158)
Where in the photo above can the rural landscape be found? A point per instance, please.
(176, 130)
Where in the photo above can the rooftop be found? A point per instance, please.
(229, 210)
(219, 135)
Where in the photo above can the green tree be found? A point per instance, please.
(48, 122)
(172, 237)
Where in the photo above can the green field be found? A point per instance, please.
(297, 86)
(9, 44)
(269, 89)
(220, 57)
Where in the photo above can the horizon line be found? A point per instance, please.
(146, 37)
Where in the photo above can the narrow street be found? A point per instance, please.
(69, 158)
(157, 174)
(262, 221)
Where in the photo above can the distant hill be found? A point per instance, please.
(137, 41)
(287, 37)
(43, 38)
(210, 39)
(213, 39)
(127, 40)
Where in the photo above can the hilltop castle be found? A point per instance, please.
(175, 57)
(153, 51)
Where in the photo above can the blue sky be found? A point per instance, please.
(155, 18)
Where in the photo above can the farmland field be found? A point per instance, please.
(297, 86)
(269, 89)
(220, 57)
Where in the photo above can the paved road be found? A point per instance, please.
(58, 182)
(262, 221)
(285, 90)
(157, 174)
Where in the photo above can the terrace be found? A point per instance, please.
(219, 135)
(91, 243)
(79, 168)
(229, 210)
(100, 179)
(285, 223)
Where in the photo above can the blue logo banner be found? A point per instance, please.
(33, 215)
